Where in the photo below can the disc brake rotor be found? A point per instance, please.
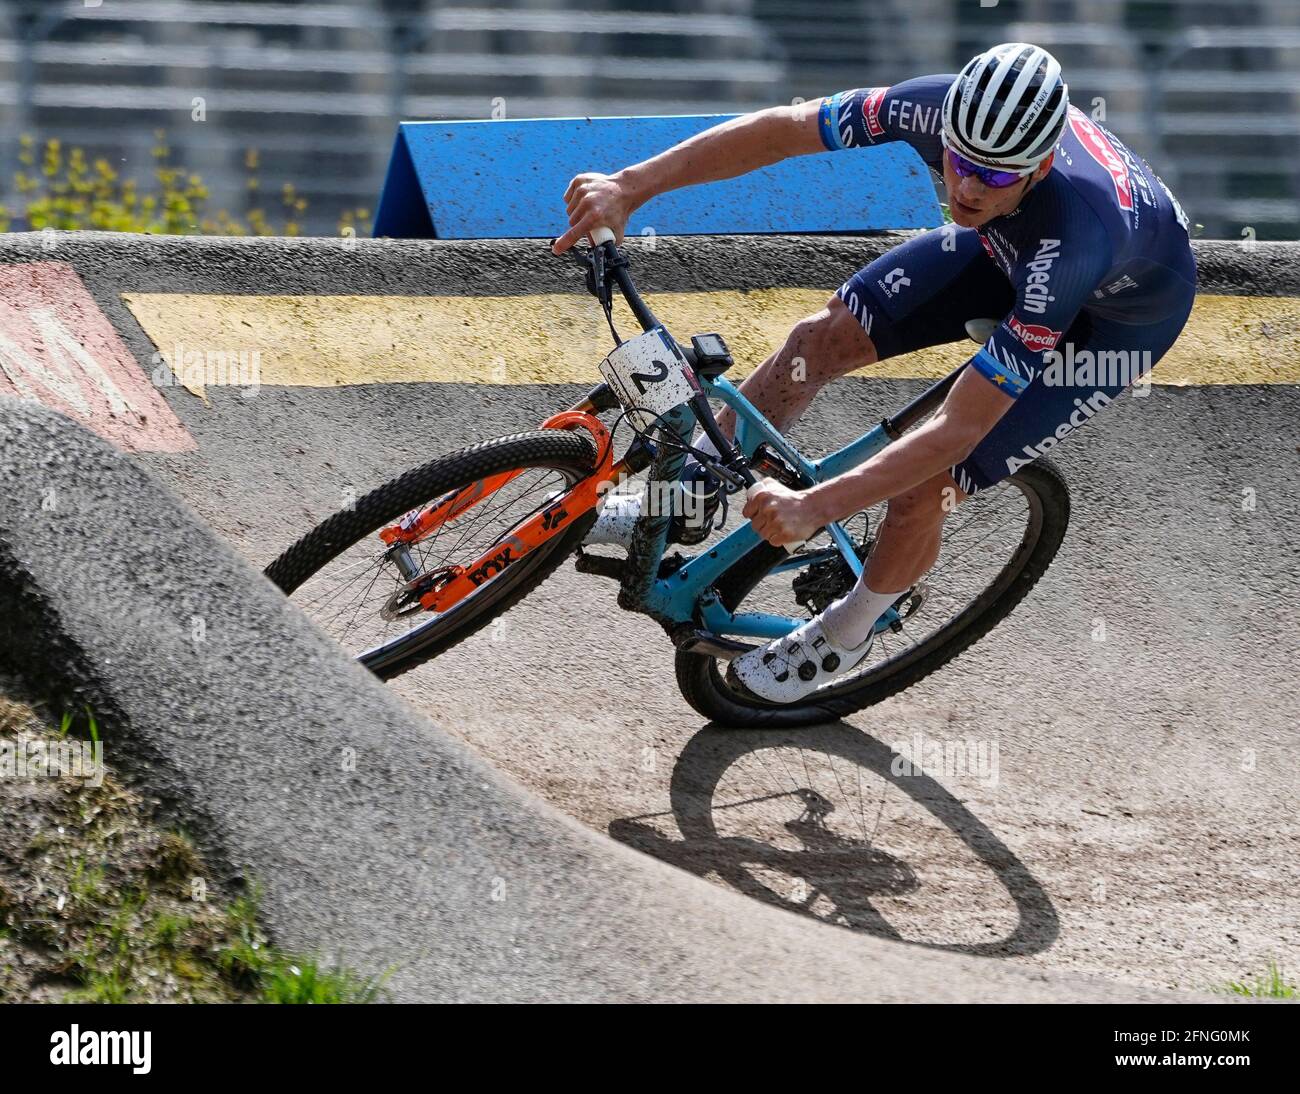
(406, 600)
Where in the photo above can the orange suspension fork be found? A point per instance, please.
(413, 528)
(556, 516)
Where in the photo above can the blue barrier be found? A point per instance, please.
(506, 179)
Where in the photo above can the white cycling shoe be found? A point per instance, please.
(696, 501)
(616, 520)
(792, 668)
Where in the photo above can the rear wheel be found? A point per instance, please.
(997, 545)
(341, 574)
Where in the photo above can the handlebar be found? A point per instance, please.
(606, 263)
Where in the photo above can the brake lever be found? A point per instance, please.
(574, 255)
(596, 278)
(593, 262)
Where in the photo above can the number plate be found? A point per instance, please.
(649, 376)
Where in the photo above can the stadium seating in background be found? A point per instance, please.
(1206, 90)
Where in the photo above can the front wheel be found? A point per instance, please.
(347, 578)
(998, 545)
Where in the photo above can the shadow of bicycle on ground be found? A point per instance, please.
(829, 822)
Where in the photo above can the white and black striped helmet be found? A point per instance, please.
(1007, 108)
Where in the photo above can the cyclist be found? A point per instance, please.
(1061, 236)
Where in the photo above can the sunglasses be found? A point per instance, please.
(989, 176)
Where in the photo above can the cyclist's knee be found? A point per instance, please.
(926, 504)
(831, 342)
(846, 342)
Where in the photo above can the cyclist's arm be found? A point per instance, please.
(1053, 280)
(972, 408)
(733, 148)
(908, 111)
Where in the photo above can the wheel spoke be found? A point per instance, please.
(996, 521)
(348, 591)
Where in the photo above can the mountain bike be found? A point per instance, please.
(420, 563)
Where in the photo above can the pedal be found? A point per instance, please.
(909, 604)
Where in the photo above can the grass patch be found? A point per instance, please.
(306, 981)
(100, 904)
(1270, 984)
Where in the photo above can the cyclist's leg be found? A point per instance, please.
(1100, 359)
(919, 295)
(916, 295)
(907, 544)
(819, 349)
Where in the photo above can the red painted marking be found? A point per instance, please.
(58, 348)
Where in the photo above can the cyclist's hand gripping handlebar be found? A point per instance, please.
(789, 548)
(602, 235)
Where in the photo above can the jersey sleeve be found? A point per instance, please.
(1053, 278)
(911, 111)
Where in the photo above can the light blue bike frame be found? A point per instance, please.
(677, 596)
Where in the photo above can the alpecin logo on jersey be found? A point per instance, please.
(871, 111)
(1083, 411)
(1036, 292)
(1033, 336)
(1098, 146)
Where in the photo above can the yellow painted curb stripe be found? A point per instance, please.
(549, 338)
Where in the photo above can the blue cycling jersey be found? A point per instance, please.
(1100, 233)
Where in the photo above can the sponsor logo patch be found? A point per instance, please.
(906, 114)
(1033, 336)
(871, 111)
(1035, 292)
(895, 281)
(1098, 146)
(1084, 411)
